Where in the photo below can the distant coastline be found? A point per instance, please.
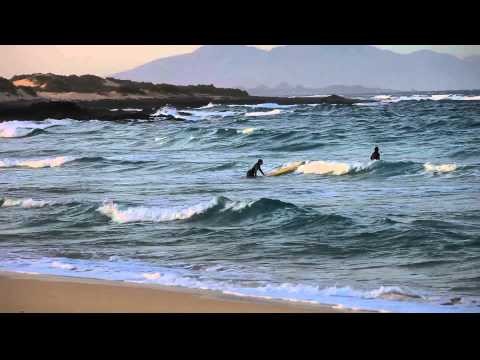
(41, 96)
(285, 89)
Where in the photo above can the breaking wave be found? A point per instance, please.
(209, 106)
(62, 266)
(37, 163)
(170, 112)
(247, 131)
(382, 168)
(218, 206)
(418, 97)
(330, 167)
(24, 203)
(442, 168)
(264, 113)
(264, 106)
(18, 129)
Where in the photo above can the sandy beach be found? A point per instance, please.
(31, 293)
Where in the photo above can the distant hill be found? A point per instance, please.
(285, 89)
(312, 66)
(91, 87)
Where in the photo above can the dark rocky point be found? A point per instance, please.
(45, 90)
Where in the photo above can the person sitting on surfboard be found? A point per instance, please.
(376, 154)
(253, 171)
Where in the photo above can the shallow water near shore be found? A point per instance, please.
(167, 202)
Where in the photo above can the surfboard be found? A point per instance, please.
(286, 169)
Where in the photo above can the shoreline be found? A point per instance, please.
(43, 108)
(32, 293)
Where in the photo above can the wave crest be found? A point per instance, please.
(24, 203)
(18, 129)
(442, 168)
(220, 208)
(37, 163)
(151, 214)
(209, 106)
(418, 97)
(190, 115)
(264, 113)
(330, 167)
(247, 131)
(378, 168)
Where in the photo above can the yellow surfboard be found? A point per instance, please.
(286, 169)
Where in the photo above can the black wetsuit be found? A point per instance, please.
(375, 156)
(253, 171)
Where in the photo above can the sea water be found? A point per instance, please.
(167, 201)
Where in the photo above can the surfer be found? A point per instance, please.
(376, 154)
(253, 171)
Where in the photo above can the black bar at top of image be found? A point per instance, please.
(371, 23)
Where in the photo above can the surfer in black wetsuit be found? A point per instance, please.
(376, 154)
(253, 171)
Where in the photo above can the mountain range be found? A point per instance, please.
(311, 66)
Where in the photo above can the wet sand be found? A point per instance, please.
(31, 293)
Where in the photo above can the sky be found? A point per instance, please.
(104, 60)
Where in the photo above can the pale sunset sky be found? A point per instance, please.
(104, 60)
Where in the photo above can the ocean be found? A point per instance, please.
(167, 202)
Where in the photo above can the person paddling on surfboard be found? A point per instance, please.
(253, 171)
(376, 154)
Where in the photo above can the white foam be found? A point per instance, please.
(330, 167)
(382, 97)
(442, 168)
(27, 272)
(161, 140)
(24, 203)
(264, 106)
(152, 214)
(152, 276)
(439, 97)
(190, 115)
(264, 113)
(63, 266)
(247, 131)
(159, 214)
(37, 163)
(391, 293)
(210, 105)
(202, 114)
(419, 97)
(367, 104)
(15, 128)
(166, 111)
(272, 106)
